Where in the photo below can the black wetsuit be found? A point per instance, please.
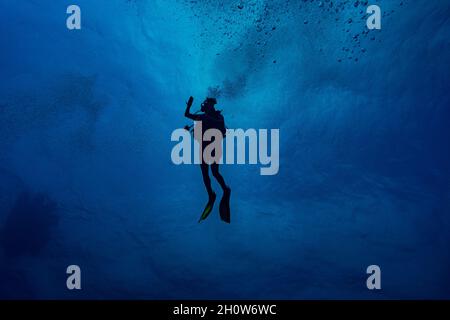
(212, 120)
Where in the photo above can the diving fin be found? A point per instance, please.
(208, 208)
(224, 207)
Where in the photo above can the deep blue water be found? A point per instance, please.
(86, 176)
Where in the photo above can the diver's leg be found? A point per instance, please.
(224, 208)
(206, 179)
(218, 176)
(211, 194)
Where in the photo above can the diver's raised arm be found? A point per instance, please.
(188, 113)
(188, 106)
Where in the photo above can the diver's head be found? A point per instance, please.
(208, 105)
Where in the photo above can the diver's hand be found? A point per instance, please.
(190, 101)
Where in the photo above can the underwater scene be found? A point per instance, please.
(351, 106)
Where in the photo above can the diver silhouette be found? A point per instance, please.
(210, 119)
